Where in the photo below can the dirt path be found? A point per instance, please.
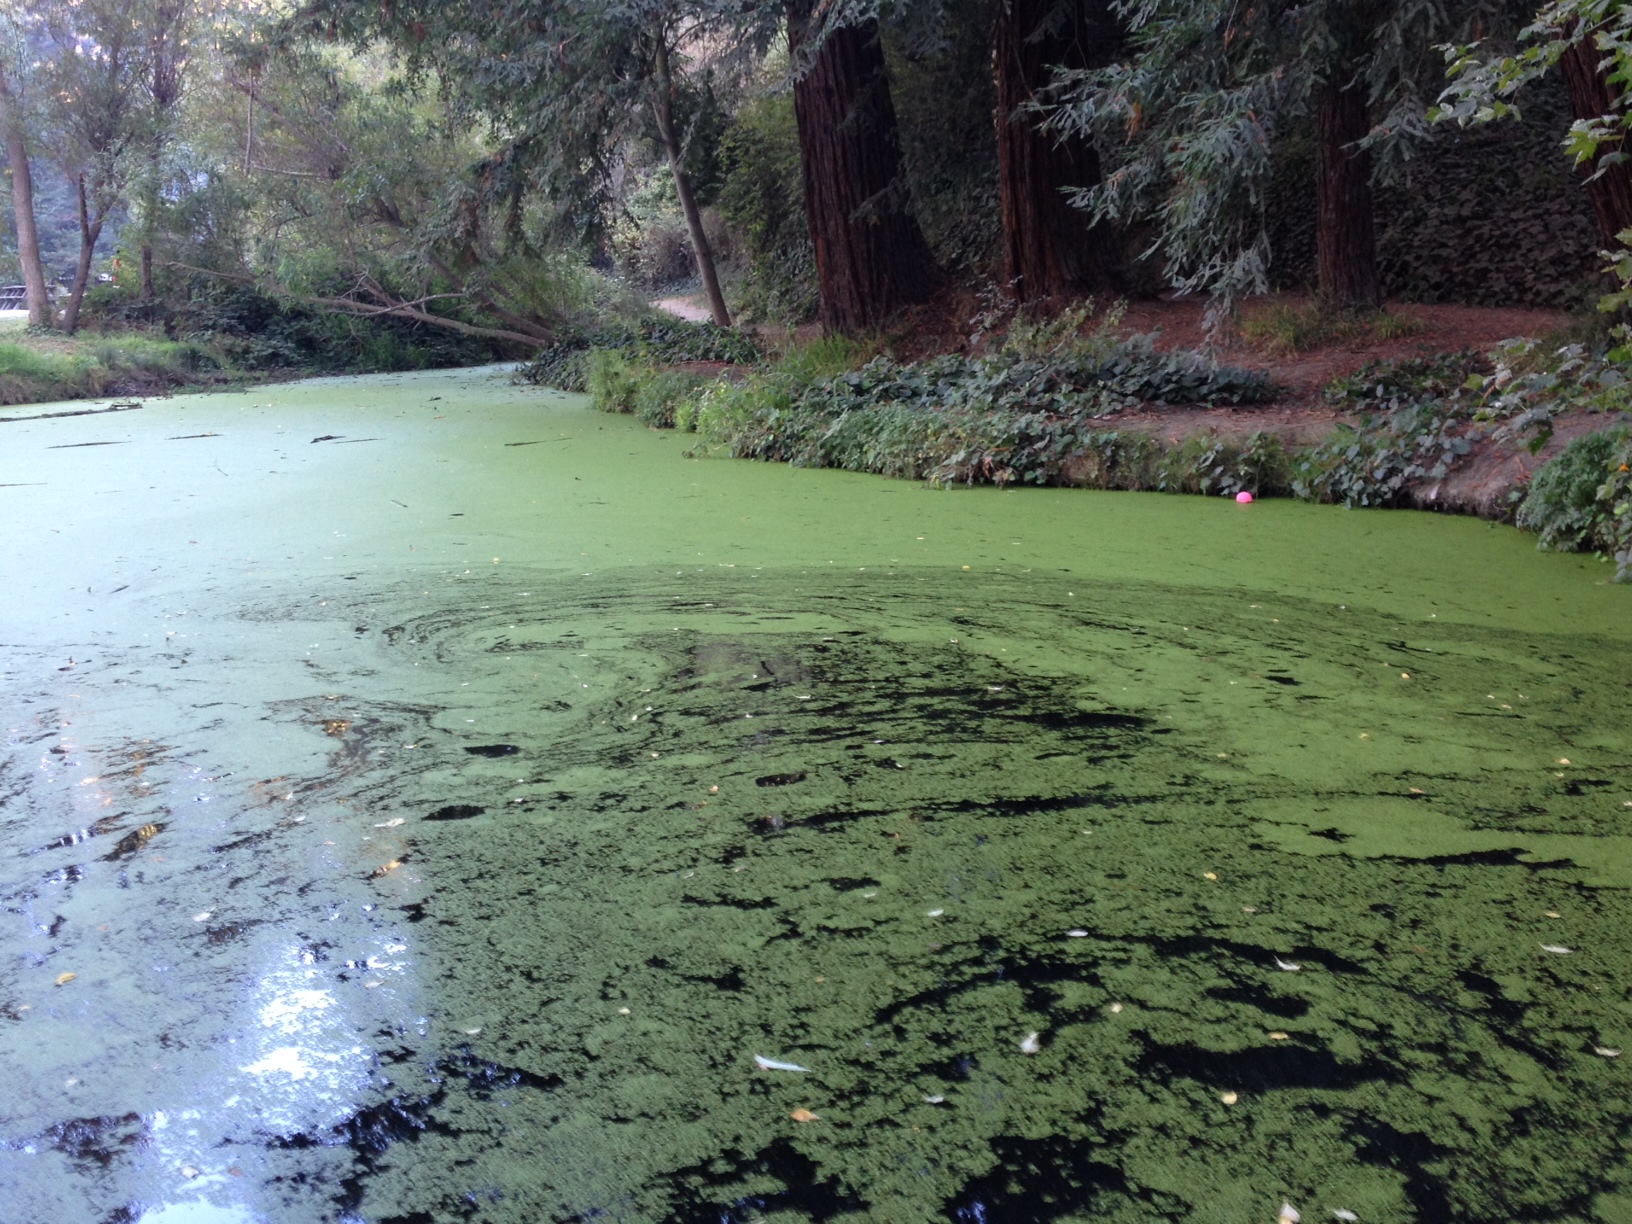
(686, 308)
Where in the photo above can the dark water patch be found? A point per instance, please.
(91, 1143)
(457, 811)
(1295, 1063)
(781, 779)
(230, 932)
(492, 750)
(806, 1194)
(1037, 1181)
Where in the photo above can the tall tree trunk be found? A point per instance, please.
(871, 257)
(40, 310)
(1345, 237)
(1050, 251)
(90, 229)
(663, 110)
(1609, 188)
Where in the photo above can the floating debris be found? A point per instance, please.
(64, 978)
(1606, 1051)
(934, 913)
(1288, 966)
(1209, 875)
(389, 824)
(189, 1171)
(804, 1115)
(1277, 1035)
(1229, 1098)
(388, 868)
(1289, 1214)
(1032, 1044)
(1557, 949)
(336, 727)
(202, 916)
(1115, 1007)
(1344, 1215)
(1077, 933)
(774, 1064)
(935, 1099)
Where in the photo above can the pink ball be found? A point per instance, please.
(1243, 497)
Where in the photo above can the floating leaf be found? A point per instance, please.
(64, 978)
(804, 1115)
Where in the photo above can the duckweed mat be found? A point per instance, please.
(912, 894)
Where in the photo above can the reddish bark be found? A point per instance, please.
(871, 256)
(1049, 248)
(1345, 235)
(1592, 95)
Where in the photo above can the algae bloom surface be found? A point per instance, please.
(424, 799)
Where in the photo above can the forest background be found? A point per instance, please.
(220, 188)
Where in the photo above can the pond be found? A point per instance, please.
(425, 799)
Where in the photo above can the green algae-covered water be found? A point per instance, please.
(424, 799)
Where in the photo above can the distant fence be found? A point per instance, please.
(13, 297)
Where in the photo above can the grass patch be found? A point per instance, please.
(50, 367)
(1298, 327)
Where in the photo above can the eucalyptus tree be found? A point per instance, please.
(167, 32)
(1210, 86)
(92, 59)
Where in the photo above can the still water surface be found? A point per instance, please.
(424, 799)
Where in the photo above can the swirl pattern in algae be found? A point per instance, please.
(1297, 857)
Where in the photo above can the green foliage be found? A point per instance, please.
(1386, 383)
(762, 197)
(1189, 122)
(1577, 501)
(660, 397)
(652, 340)
(1416, 422)
(611, 380)
(258, 333)
(657, 396)
(1031, 411)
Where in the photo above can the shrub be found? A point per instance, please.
(610, 380)
(1572, 500)
(659, 394)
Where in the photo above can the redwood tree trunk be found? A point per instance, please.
(40, 309)
(1591, 95)
(1050, 251)
(871, 257)
(1345, 238)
